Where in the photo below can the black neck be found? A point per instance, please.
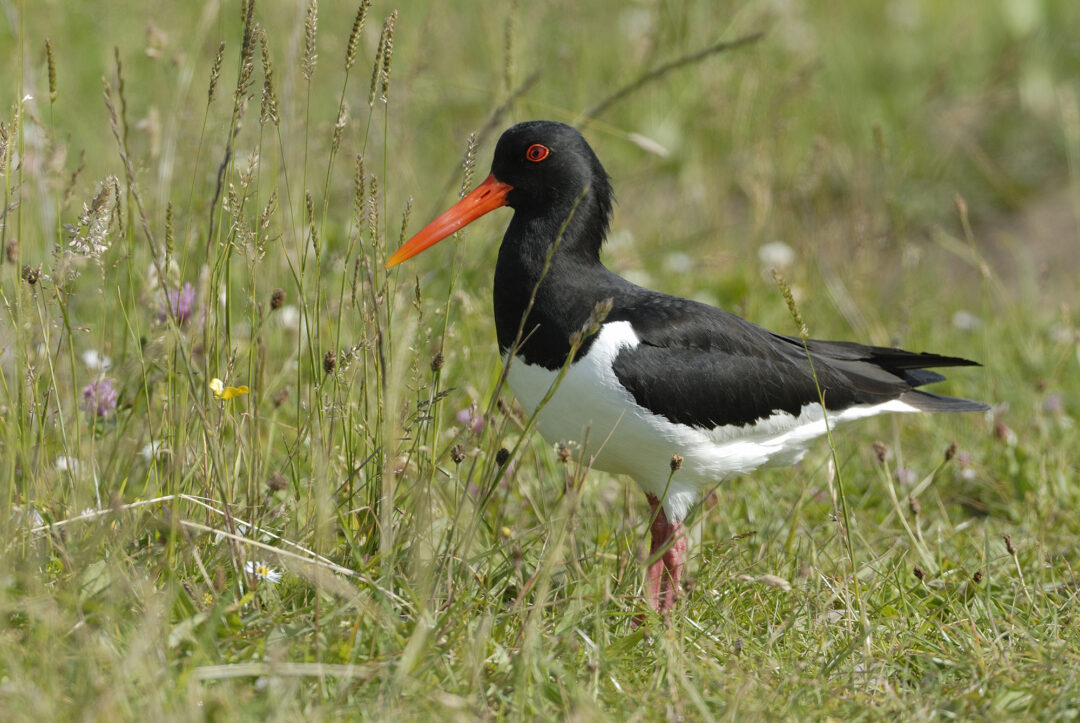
(566, 292)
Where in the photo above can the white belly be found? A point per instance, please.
(592, 408)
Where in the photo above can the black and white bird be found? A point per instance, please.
(663, 376)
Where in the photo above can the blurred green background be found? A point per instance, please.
(847, 126)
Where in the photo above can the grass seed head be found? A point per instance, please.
(215, 72)
(339, 127)
(247, 54)
(468, 163)
(1009, 546)
(311, 21)
(676, 462)
(52, 70)
(793, 309)
(268, 111)
(914, 506)
(502, 456)
(31, 274)
(405, 219)
(277, 299)
(329, 362)
(169, 231)
(387, 54)
(354, 36)
(373, 210)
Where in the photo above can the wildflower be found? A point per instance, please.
(99, 398)
(262, 571)
(153, 450)
(679, 262)
(966, 321)
(95, 361)
(471, 418)
(776, 255)
(1054, 405)
(223, 392)
(179, 303)
(289, 318)
(68, 464)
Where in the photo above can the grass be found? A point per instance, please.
(920, 160)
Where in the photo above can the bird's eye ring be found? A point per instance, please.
(537, 152)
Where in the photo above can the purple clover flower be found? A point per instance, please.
(471, 418)
(181, 303)
(99, 398)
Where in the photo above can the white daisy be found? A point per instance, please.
(262, 571)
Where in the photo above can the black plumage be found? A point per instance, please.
(696, 364)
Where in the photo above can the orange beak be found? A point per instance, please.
(488, 196)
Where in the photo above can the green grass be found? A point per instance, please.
(920, 158)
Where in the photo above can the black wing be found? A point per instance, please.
(702, 366)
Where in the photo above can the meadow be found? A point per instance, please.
(248, 474)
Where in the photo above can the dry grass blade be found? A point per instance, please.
(659, 72)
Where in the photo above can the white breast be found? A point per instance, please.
(592, 408)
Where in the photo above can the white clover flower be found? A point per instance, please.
(68, 464)
(289, 317)
(153, 450)
(776, 255)
(95, 361)
(966, 321)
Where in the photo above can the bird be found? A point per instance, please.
(674, 393)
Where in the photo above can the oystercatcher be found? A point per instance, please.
(661, 376)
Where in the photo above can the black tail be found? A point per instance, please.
(873, 365)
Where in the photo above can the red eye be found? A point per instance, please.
(537, 152)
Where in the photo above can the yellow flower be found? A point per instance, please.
(223, 392)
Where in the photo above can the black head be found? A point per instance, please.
(550, 165)
(549, 175)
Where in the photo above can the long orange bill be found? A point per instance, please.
(488, 196)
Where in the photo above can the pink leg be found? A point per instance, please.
(663, 576)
